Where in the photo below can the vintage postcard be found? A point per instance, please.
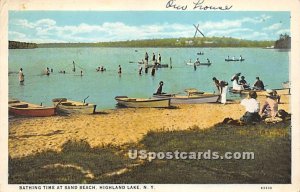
(167, 95)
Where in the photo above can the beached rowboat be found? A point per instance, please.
(191, 98)
(286, 85)
(260, 92)
(66, 106)
(143, 103)
(19, 108)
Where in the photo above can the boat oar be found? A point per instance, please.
(133, 62)
(85, 99)
(59, 102)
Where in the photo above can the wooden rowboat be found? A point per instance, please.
(193, 97)
(143, 103)
(234, 60)
(260, 92)
(198, 64)
(158, 65)
(286, 85)
(63, 105)
(20, 108)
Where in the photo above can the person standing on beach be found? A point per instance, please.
(252, 109)
(146, 58)
(222, 88)
(21, 76)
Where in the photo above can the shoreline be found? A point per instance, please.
(117, 126)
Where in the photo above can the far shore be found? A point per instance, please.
(117, 126)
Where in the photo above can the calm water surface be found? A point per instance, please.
(271, 65)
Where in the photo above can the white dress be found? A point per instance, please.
(236, 86)
(224, 94)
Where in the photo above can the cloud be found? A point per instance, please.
(17, 36)
(273, 27)
(256, 35)
(47, 29)
(229, 24)
(23, 23)
(229, 32)
(39, 23)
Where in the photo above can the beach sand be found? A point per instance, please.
(117, 126)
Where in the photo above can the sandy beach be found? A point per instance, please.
(116, 126)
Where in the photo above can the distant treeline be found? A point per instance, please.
(21, 45)
(172, 42)
(284, 42)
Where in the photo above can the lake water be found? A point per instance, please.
(272, 66)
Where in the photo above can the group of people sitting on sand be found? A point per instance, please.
(254, 113)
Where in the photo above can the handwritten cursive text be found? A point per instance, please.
(172, 4)
(197, 5)
(200, 6)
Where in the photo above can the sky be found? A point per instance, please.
(104, 26)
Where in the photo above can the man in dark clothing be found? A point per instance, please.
(244, 82)
(146, 57)
(153, 71)
(258, 85)
(159, 89)
(153, 57)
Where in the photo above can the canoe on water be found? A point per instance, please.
(66, 106)
(234, 60)
(158, 65)
(20, 108)
(143, 103)
(193, 97)
(198, 64)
